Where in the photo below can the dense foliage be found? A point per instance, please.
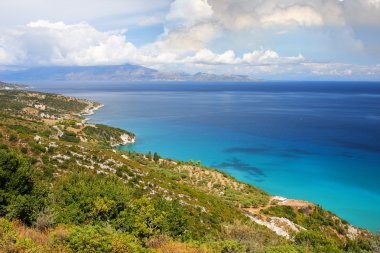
(105, 134)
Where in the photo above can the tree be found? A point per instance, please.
(156, 157)
(149, 156)
(79, 197)
(12, 138)
(21, 197)
(147, 221)
(376, 242)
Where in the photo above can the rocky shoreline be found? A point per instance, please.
(91, 109)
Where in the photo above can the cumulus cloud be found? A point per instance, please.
(262, 57)
(300, 15)
(187, 13)
(55, 43)
(189, 26)
(341, 71)
(241, 14)
(206, 56)
(20, 12)
(257, 57)
(149, 21)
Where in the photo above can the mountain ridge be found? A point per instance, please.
(126, 72)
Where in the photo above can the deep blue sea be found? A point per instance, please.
(317, 141)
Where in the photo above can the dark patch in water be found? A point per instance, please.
(237, 164)
(358, 146)
(346, 154)
(300, 151)
(266, 150)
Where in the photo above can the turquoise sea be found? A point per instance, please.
(317, 141)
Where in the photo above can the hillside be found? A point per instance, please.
(65, 187)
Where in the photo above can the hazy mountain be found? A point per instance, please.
(125, 72)
(10, 86)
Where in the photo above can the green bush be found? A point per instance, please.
(281, 211)
(22, 129)
(79, 198)
(285, 249)
(317, 241)
(21, 197)
(24, 150)
(12, 138)
(89, 239)
(70, 137)
(7, 235)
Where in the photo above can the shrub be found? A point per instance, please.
(44, 220)
(24, 150)
(281, 211)
(12, 138)
(376, 243)
(70, 137)
(156, 157)
(80, 197)
(21, 197)
(7, 235)
(89, 239)
(316, 240)
(285, 249)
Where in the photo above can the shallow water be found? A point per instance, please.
(318, 141)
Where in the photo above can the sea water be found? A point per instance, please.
(317, 141)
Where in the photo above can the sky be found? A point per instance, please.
(269, 39)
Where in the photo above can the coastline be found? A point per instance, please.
(318, 166)
(91, 109)
(212, 195)
(281, 226)
(125, 138)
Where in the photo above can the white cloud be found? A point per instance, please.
(322, 69)
(262, 57)
(56, 43)
(45, 43)
(300, 15)
(150, 21)
(340, 70)
(189, 27)
(255, 58)
(20, 12)
(189, 12)
(5, 57)
(187, 39)
(241, 14)
(206, 56)
(212, 35)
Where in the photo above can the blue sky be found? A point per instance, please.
(271, 39)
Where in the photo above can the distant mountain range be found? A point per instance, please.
(125, 72)
(10, 86)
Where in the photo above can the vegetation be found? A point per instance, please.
(106, 135)
(67, 193)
